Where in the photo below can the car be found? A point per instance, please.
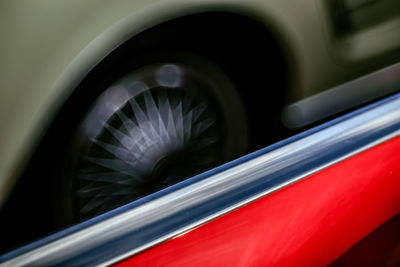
(199, 132)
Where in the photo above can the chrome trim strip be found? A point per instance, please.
(343, 97)
(185, 207)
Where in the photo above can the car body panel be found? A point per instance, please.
(51, 45)
(309, 223)
(326, 180)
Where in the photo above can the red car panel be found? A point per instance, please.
(313, 221)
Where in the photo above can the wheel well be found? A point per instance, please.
(245, 49)
(249, 53)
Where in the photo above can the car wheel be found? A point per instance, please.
(153, 127)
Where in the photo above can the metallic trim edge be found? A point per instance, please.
(188, 207)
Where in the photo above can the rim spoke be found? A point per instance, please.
(156, 135)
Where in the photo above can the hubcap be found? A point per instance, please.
(146, 132)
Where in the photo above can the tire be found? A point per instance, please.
(153, 127)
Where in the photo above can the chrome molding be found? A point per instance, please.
(185, 206)
(343, 97)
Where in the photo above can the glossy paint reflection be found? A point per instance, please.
(309, 223)
(333, 170)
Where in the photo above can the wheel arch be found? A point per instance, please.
(269, 52)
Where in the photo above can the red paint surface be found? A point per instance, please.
(311, 222)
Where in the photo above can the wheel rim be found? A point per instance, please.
(147, 131)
